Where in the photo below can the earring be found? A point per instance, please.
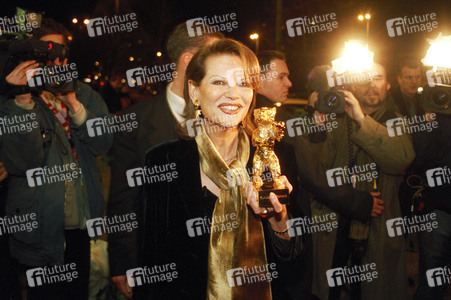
(197, 109)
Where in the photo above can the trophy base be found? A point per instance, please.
(263, 197)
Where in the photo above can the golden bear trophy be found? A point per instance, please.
(263, 138)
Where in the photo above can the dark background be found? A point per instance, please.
(157, 18)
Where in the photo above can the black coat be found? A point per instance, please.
(156, 124)
(170, 204)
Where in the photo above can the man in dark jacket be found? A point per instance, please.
(405, 97)
(275, 84)
(157, 121)
(433, 150)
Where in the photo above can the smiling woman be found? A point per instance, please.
(220, 90)
(221, 74)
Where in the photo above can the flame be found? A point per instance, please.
(356, 58)
(439, 53)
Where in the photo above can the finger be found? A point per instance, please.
(252, 200)
(380, 201)
(275, 203)
(285, 181)
(375, 194)
(3, 175)
(124, 288)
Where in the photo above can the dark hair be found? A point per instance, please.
(50, 26)
(317, 79)
(265, 58)
(180, 41)
(410, 63)
(195, 72)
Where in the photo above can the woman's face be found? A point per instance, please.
(223, 94)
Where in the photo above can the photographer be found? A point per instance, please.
(361, 141)
(433, 150)
(53, 176)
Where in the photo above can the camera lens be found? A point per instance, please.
(441, 97)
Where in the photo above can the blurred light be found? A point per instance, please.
(420, 90)
(438, 54)
(356, 58)
(96, 77)
(360, 17)
(87, 80)
(69, 37)
(131, 58)
(278, 104)
(123, 80)
(159, 54)
(102, 83)
(367, 16)
(254, 36)
(96, 63)
(86, 21)
(75, 20)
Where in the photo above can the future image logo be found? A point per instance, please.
(111, 124)
(438, 276)
(407, 225)
(108, 25)
(154, 274)
(157, 73)
(409, 125)
(407, 25)
(308, 25)
(53, 74)
(226, 22)
(438, 176)
(248, 275)
(346, 175)
(349, 275)
(53, 274)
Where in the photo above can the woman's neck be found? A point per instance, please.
(225, 140)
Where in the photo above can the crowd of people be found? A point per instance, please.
(202, 234)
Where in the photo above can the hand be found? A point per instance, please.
(313, 98)
(353, 108)
(3, 173)
(58, 62)
(19, 75)
(122, 285)
(378, 205)
(277, 215)
(70, 100)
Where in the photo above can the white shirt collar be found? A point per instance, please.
(176, 103)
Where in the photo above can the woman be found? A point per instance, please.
(205, 236)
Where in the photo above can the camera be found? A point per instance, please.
(40, 51)
(437, 99)
(20, 50)
(331, 101)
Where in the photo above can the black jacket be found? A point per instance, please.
(400, 104)
(171, 204)
(433, 150)
(156, 124)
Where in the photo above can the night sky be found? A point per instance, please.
(157, 18)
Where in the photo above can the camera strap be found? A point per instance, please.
(64, 121)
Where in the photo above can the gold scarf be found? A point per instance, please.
(240, 247)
